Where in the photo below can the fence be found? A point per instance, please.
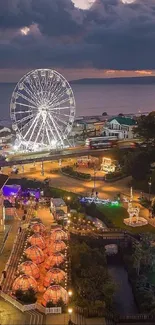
(8, 262)
(4, 239)
(46, 311)
(23, 308)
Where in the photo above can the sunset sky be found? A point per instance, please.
(79, 38)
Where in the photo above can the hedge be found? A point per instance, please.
(73, 173)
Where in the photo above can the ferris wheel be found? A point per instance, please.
(42, 110)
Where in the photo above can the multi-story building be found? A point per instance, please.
(119, 126)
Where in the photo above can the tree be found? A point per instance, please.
(146, 128)
(138, 254)
(140, 166)
(127, 162)
(104, 114)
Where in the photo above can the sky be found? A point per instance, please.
(79, 38)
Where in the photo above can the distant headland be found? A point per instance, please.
(115, 81)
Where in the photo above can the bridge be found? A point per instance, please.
(53, 156)
(109, 236)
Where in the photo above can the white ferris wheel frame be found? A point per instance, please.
(49, 103)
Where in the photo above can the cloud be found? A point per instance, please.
(111, 35)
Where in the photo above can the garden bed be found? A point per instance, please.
(114, 217)
(69, 171)
(113, 177)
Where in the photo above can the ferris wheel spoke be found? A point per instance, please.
(51, 130)
(33, 131)
(32, 126)
(26, 98)
(59, 128)
(58, 97)
(56, 128)
(32, 95)
(57, 90)
(22, 112)
(55, 100)
(62, 121)
(60, 103)
(49, 85)
(38, 85)
(25, 105)
(24, 126)
(32, 85)
(25, 118)
(54, 91)
(47, 136)
(46, 81)
(40, 129)
(57, 114)
(54, 110)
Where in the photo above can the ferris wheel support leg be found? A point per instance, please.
(42, 168)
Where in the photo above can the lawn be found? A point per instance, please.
(116, 214)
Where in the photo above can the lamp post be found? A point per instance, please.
(70, 310)
(131, 194)
(42, 168)
(94, 178)
(70, 293)
(149, 184)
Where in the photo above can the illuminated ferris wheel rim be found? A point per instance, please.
(42, 109)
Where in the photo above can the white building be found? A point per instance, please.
(58, 204)
(119, 126)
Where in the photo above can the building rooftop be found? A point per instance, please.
(123, 120)
(58, 202)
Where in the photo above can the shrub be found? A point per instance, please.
(27, 297)
(71, 172)
(114, 175)
(50, 304)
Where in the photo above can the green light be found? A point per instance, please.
(114, 203)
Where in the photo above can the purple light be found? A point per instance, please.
(32, 193)
(11, 190)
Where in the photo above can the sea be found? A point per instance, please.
(93, 99)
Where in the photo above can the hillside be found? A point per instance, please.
(116, 81)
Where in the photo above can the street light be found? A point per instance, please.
(70, 293)
(94, 177)
(70, 310)
(149, 183)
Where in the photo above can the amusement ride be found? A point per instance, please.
(42, 111)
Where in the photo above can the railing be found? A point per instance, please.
(4, 239)
(140, 317)
(46, 311)
(23, 308)
(15, 303)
